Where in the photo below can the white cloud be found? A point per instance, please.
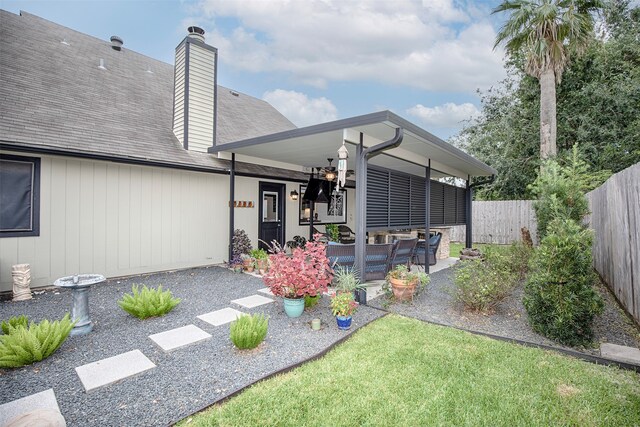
(300, 109)
(439, 45)
(448, 115)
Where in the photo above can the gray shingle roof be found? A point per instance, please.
(53, 95)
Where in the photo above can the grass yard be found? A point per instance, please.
(400, 371)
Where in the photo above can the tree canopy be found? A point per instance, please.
(597, 106)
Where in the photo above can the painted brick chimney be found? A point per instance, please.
(195, 92)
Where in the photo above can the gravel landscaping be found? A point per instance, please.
(437, 304)
(185, 380)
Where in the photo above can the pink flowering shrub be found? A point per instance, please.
(304, 272)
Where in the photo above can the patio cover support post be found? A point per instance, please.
(469, 236)
(362, 157)
(232, 197)
(312, 205)
(427, 216)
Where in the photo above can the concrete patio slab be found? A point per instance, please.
(220, 317)
(620, 353)
(43, 400)
(266, 291)
(112, 369)
(179, 337)
(252, 301)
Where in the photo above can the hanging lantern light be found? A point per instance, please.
(343, 155)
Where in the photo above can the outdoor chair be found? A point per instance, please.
(419, 254)
(403, 251)
(346, 234)
(377, 261)
(341, 255)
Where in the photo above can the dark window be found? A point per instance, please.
(19, 196)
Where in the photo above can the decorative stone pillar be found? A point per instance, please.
(21, 274)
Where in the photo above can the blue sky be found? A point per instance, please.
(318, 60)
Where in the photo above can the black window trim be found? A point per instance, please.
(35, 196)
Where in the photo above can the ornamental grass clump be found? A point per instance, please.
(304, 272)
(482, 283)
(148, 302)
(249, 331)
(23, 345)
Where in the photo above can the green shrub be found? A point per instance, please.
(148, 303)
(249, 331)
(481, 284)
(519, 255)
(559, 295)
(22, 345)
(13, 323)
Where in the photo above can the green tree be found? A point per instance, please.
(546, 31)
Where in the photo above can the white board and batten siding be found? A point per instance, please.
(178, 93)
(117, 219)
(615, 218)
(499, 222)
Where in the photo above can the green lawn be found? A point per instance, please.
(400, 371)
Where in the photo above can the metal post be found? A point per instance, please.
(361, 208)
(427, 218)
(312, 205)
(468, 219)
(232, 196)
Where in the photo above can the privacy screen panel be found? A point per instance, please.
(397, 200)
(19, 196)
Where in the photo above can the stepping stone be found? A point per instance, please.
(220, 317)
(252, 301)
(45, 400)
(179, 337)
(620, 353)
(112, 369)
(266, 291)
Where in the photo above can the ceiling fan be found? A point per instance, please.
(330, 172)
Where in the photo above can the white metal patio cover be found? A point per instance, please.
(312, 145)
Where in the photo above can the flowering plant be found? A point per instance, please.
(343, 304)
(305, 272)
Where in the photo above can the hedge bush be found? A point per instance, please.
(559, 295)
(22, 345)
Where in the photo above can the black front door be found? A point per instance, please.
(271, 213)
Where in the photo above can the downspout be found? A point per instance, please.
(469, 214)
(362, 157)
(232, 196)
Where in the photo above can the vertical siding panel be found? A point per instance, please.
(146, 213)
(135, 209)
(41, 268)
(87, 218)
(72, 244)
(124, 215)
(156, 218)
(112, 247)
(58, 215)
(9, 251)
(99, 218)
(175, 225)
(166, 217)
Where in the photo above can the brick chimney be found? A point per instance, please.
(195, 92)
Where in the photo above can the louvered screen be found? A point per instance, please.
(437, 203)
(399, 200)
(461, 205)
(418, 201)
(449, 204)
(377, 198)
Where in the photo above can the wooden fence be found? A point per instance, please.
(499, 222)
(615, 217)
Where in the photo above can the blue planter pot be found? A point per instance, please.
(344, 322)
(294, 307)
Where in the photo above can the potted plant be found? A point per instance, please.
(262, 260)
(333, 232)
(236, 264)
(404, 282)
(304, 272)
(348, 280)
(247, 262)
(343, 306)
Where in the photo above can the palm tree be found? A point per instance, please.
(545, 31)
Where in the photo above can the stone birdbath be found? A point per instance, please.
(79, 286)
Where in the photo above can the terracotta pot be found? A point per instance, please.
(248, 264)
(403, 290)
(263, 265)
